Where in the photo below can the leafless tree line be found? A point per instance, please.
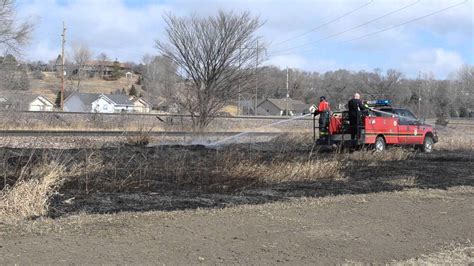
(424, 95)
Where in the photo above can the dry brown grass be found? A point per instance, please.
(393, 154)
(284, 172)
(51, 83)
(460, 138)
(30, 196)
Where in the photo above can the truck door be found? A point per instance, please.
(383, 123)
(408, 129)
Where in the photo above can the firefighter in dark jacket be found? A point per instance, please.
(323, 112)
(355, 115)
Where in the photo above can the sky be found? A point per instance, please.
(313, 35)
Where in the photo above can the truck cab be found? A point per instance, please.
(382, 125)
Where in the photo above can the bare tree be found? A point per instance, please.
(213, 56)
(379, 85)
(337, 87)
(160, 76)
(13, 74)
(465, 90)
(102, 60)
(12, 35)
(81, 56)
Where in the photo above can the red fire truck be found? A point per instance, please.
(381, 125)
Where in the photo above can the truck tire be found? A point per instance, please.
(427, 145)
(380, 144)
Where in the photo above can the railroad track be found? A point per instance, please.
(118, 133)
(251, 117)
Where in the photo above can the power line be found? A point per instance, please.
(324, 24)
(353, 28)
(407, 22)
(393, 27)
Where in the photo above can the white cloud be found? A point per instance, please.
(291, 61)
(127, 33)
(438, 61)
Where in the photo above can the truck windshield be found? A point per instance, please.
(406, 117)
(384, 112)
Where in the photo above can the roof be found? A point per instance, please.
(43, 100)
(281, 104)
(85, 98)
(20, 99)
(106, 63)
(119, 99)
(250, 103)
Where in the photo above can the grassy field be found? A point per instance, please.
(278, 201)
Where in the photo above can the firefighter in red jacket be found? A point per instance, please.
(323, 111)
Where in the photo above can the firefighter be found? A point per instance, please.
(323, 112)
(355, 115)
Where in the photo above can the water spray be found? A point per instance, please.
(240, 135)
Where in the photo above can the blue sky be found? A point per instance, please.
(127, 29)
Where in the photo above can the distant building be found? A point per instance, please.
(41, 103)
(278, 107)
(112, 103)
(105, 103)
(106, 68)
(140, 105)
(80, 102)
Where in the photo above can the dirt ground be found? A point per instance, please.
(379, 228)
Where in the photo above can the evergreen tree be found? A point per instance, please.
(58, 64)
(124, 92)
(116, 73)
(57, 102)
(133, 91)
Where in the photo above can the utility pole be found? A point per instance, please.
(240, 91)
(256, 82)
(62, 65)
(287, 91)
(419, 94)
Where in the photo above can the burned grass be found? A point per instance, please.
(173, 177)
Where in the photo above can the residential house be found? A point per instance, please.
(112, 103)
(41, 103)
(105, 68)
(80, 102)
(105, 103)
(280, 107)
(140, 105)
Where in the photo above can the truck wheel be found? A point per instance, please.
(427, 145)
(380, 144)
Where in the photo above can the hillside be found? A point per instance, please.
(50, 85)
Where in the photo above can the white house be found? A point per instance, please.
(112, 103)
(80, 102)
(41, 103)
(140, 105)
